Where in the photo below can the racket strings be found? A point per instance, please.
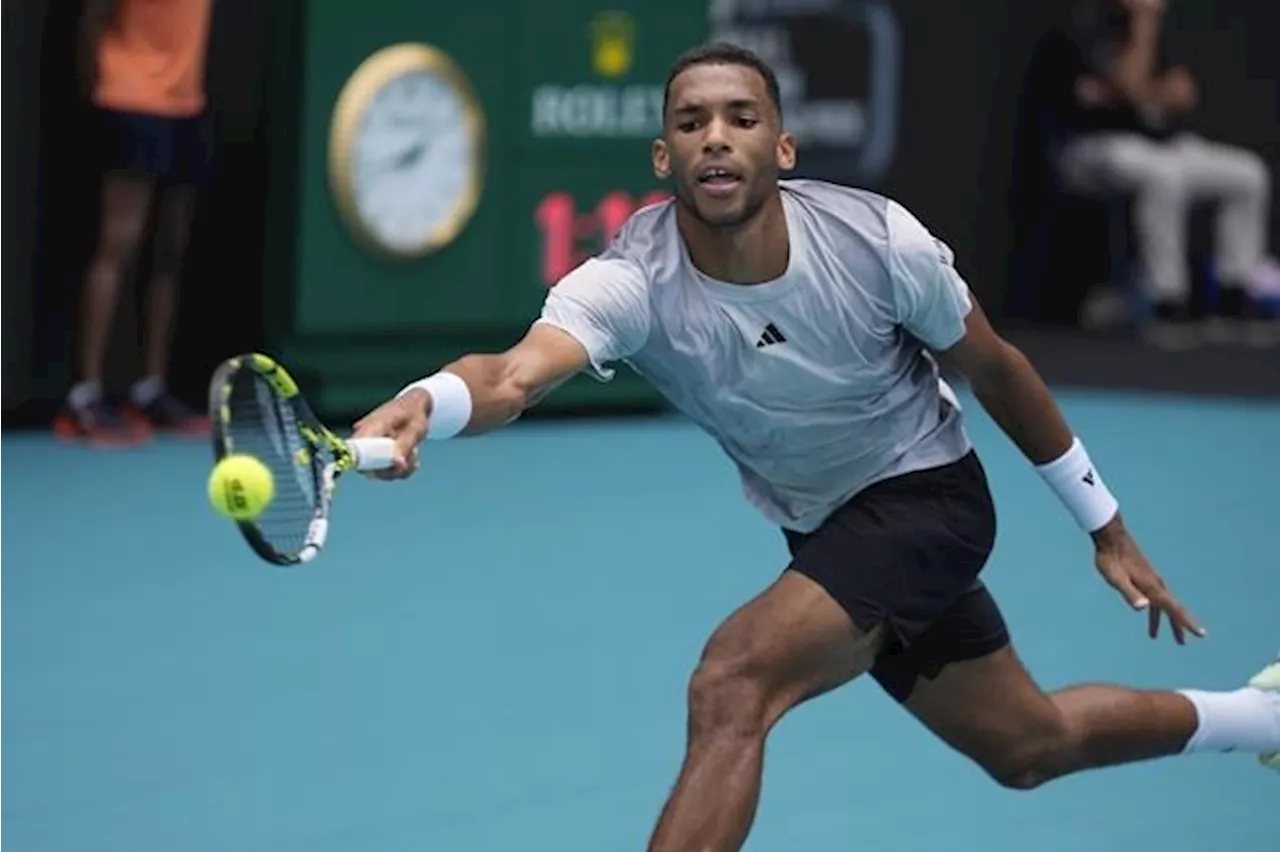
(264, 426)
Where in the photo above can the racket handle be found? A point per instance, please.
(373, 453)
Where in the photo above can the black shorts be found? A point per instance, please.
(171, 150)
(906, 552)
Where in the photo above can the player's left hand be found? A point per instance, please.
(1124, 566)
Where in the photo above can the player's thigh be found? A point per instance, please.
(790, 643)
(906, 554)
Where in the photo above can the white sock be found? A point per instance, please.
(145, 391)
(84, 394)
(1245, 720)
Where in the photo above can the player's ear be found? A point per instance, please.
(786, 152)
(661, 159)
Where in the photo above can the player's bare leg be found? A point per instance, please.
(791, 643)
(991, 710)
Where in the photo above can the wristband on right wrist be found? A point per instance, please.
(450, 404)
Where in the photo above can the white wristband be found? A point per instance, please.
(1079, 486)
(450, 404)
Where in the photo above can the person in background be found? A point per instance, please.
(1128, 129)
(142, 65)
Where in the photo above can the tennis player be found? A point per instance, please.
(801, 324)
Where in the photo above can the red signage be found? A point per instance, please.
(568, 237)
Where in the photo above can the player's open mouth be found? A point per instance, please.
(719, 181)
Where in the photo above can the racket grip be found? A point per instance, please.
(373, 453)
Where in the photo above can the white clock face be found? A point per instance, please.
(414, 160)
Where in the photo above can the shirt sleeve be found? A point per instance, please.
(604, 305)
(930, 298)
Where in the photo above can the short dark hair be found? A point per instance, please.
(724, 53)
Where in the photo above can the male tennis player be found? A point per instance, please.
(794, 321)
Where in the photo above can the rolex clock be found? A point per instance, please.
(406, 151)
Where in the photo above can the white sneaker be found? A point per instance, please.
(1268, 680)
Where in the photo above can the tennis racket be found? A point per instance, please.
(256, 409)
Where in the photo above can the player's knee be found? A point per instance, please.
(1034, 757)
(726, 699)
(1025, 772)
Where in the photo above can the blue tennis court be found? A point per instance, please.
(493, 656)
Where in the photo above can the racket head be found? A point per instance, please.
(256, 409)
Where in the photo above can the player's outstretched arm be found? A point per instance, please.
(474, 394)
(1016, 397)
(595, 315)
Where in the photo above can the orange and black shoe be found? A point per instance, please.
(99, 424)
(168, 414)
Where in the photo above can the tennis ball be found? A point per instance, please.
(241, 487)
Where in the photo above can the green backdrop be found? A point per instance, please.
(571, 94)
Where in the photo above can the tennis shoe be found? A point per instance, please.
(1268, 680)
(98, 423)
(166, 413)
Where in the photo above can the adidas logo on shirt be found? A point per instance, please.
(771, 335)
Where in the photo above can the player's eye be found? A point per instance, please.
(747, 121)
(688, 126)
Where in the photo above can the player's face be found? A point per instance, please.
(723, 144)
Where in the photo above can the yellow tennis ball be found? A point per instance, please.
(241, 487)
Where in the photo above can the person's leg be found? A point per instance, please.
(861, 587)
(149, 397)
(1238, 181)
(791, 643)
(173, 226)
(126, 200)
(186, 169)
(126, 197)
(991, 710)
(1152, 173)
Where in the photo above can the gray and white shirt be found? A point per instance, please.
(818, 383)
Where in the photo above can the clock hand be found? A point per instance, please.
(408, 157)
(414, 154)
(396, 161)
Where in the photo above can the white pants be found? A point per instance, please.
(1165, 177)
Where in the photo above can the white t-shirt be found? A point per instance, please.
(816, 384)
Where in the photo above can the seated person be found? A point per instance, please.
(1127, 129)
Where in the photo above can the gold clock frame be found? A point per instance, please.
(349, 111)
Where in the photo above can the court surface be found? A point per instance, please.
(493, 656)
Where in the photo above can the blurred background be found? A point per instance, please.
(960, 112)
(1121, 230)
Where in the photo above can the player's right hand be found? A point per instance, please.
(403, 419)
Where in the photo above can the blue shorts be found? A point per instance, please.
(171, 150)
